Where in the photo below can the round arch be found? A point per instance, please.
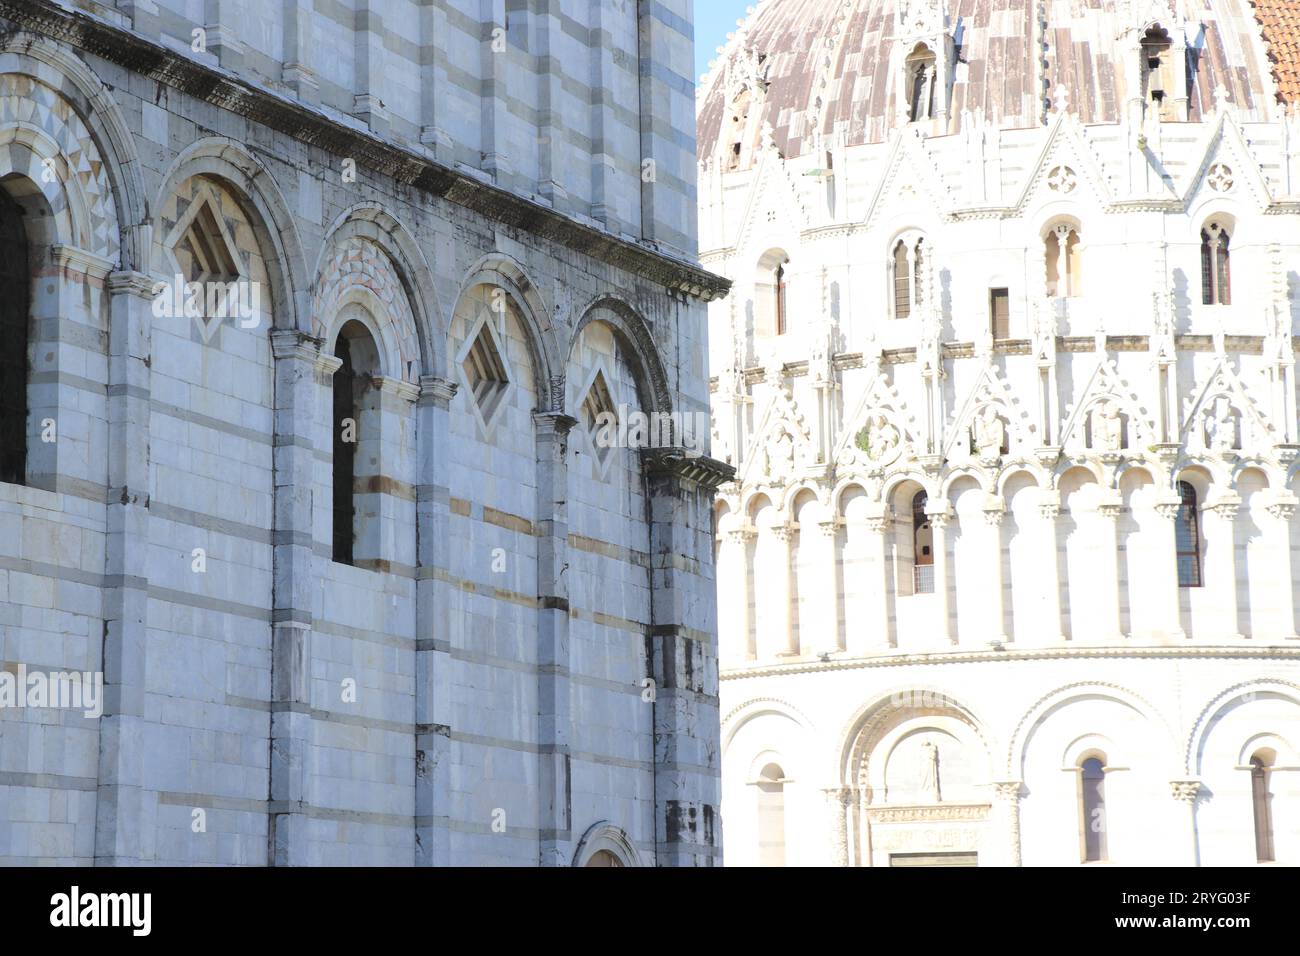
(605, 837)
(272, 222)
(30, 54)
(1067, 694)
(1221, 702)
(633, 334)
(367, 221)
(499, 269)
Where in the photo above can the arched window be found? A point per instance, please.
(15, 293)
(1064, 265)
(1260, 800)
(921, 76)
(922, 546)
(355, 419)
(736, 127)
(771, 816)
(1093, 780)
(779, 304)
(1187, 538)
(902, 282)
(908, 263)
(1215, 280)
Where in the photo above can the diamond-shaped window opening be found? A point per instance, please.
(597, 409)
(202, 235)
(486, 372)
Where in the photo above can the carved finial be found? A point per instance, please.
(768, 139)
(1220, 99)
(1060, 98)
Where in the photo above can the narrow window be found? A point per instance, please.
(358, 473)
(1093, 778)
(1064, 267)
(771, 816)
(918, 271)
(1000, 313)
(921, 75)
(1259, 796)
(780, 299)
(15, 291)
(1157, 72)
(345, 448)
(922, 546)
(902, 282)
(1215, 284)
(1187, 535)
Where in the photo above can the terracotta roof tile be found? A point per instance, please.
(1281, 22)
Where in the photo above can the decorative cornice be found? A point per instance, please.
(939, 812)
(137, 284)
(1023, 654)
(233, 93)
(708, 473)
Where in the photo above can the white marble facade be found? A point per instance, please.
(1006, 575)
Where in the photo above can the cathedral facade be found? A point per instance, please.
(310, 553)
(1007, 572)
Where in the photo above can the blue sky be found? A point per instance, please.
(714, 19)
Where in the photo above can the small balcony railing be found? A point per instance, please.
(923, 579)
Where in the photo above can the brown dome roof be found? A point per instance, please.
(816, 64)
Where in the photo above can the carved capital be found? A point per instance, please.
(554, 423)
(1168, 508)
(740, 536)
(1007, 789)
(829, 529)
(131, 283)
(783, 533)
(995, 509)
(1226, 507)
(294, 343)
(1185, 791)
(1283, 506)
(439, 391)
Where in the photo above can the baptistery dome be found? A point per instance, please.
(810, 69)
(1007, 374)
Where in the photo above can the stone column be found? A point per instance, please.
(878, 521)
(1221, 559)
(682, 650)
(829, 641)
(119, 808)
(1282, 510)
(555, 821)
(433, 698)
(939, 517)
(1049, 510)
(1007, 793)
(735, 612)
(839, 799)
(786, 643)
(1185, 792)
(1109, 511)
(1169, 599)
(994, 512)
(297, 393)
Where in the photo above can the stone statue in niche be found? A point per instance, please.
(1106, 427)
(1221, 432)
(989, 433)
(780, 453)
(928, 785)
(879, 438)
